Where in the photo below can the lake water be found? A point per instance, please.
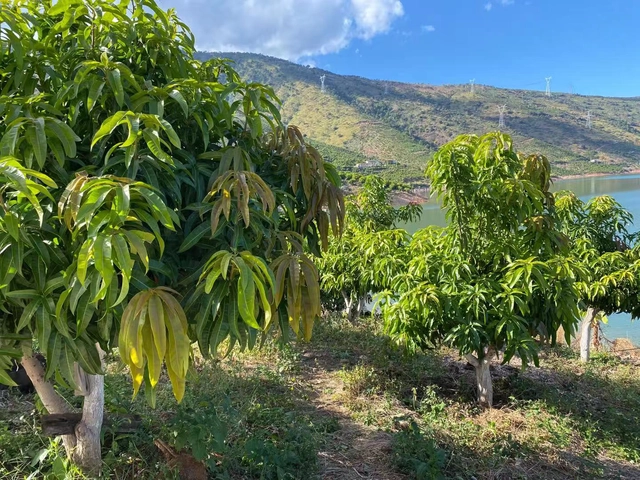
(624, 188)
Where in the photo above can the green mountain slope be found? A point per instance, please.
(395, 126)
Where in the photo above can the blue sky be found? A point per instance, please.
(588, 46)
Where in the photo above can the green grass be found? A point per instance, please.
(350, 404)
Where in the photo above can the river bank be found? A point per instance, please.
(632, 171)
(400, 199)
(422, 195)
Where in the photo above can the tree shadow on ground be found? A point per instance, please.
(605, 407)
(276, 426)
(599, 411)
(286, 411)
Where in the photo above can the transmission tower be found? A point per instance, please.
(502, 109)
(589, 120)
(548, 92)
(386, 88)
(322, 79)
(473, 85)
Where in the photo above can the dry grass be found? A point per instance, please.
(350, 405)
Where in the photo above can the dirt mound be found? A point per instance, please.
(625, 348)
(188, 467)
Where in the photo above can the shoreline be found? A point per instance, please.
(634, 171)
(422, 195)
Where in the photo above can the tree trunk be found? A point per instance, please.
(52, 402)
(84, 446)
(352, 306)
(585, 333)
(484, 383)
(352, 314)
(88, 454)
(348, 305)
(347, 301)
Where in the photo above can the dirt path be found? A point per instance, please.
(355, 451)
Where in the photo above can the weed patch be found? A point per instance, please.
(352, 405)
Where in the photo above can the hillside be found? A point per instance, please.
(396, 126)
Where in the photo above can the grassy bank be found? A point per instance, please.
(350, 405)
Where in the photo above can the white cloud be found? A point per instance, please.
(505, 3)
(428, 28)
(374, 16)
(285, 28)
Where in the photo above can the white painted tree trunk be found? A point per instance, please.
(362, 301)
(349, 306)
(484, 383)
(347, 301)
(353, 306)
(585, 333)
(84, 447)
(88, 454)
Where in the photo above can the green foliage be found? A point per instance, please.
(371, 210)
(498, 274)
(345, 160)
(282, 459)
(360, 380)
(348, 267)
(417, 455)
(599, 232)
(199, 432)
(147, 198)
(602, 221)
(564, 410)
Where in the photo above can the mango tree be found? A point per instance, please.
(147, 201)
(347, 266)
(497, 275)
(599, 232)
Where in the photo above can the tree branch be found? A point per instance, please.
(472, 359)
(51, 400)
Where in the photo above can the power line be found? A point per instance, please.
(548, 92)
(502, 109)
(540, 82)
(570, 87)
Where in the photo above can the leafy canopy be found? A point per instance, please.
(498, 274)
(610, 254)
(349, 265)
(147, 200)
